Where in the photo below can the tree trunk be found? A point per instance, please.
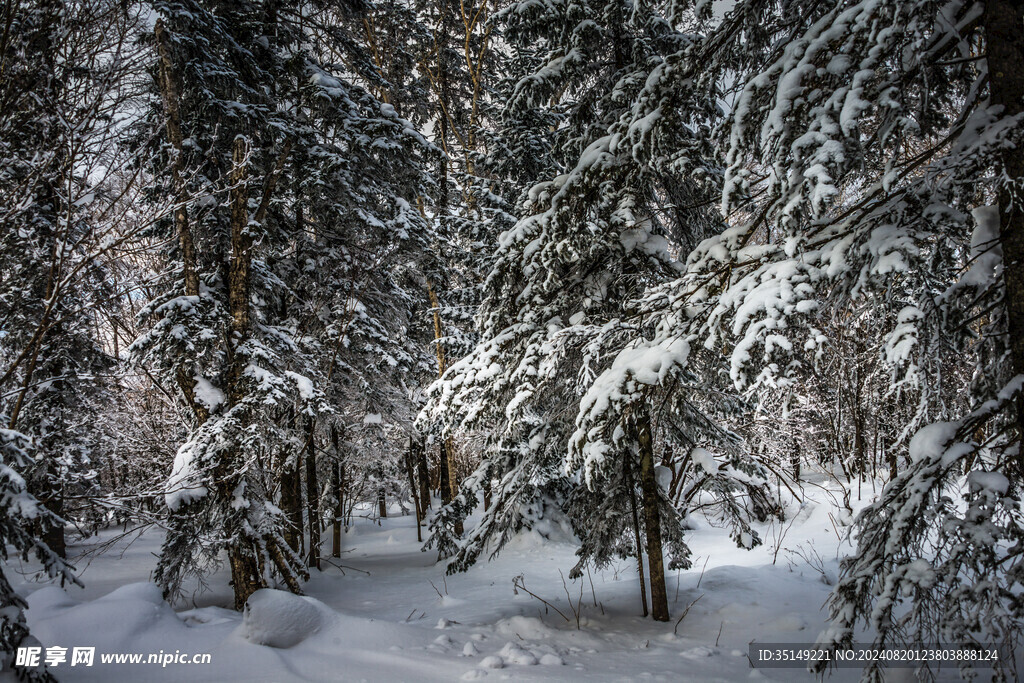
(312, 499)
(171, 95)
(53, 535)
(449, 487)
(382, 503)
(453, 481)
(336, 488)
(447, 483)
(652, 517)
(424, 474)
(443, 479)
(1003, 22)
(291, 503)
(631, 491)
(246, 574)
(412, 488)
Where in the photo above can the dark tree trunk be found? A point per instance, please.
(449, 487)
(312, 499)
(1004, 47)
(246, 574)
(652, 517)
(291, 503)
(171, 95)
(424, 473)
(443, 479)
(631, 491)
(412, 488)
(53, 535)
(336, 488)
(382, 503)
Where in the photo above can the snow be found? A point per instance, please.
(931, 441)
(986, 251)
(390, 625)
(988, 481)
(704, 459)
(207, 394)
(279, 619)
(181, 485)
(303, 384)
(649, 364)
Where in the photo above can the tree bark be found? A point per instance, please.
(291, 504)
(631, 490)
(413, 490)
(312, 499)
(336, 488)
(652, 517)
(443, 479)
(1003, 22)
(171, 94)
(424, 474)
(246, 574)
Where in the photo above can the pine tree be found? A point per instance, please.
(59, 155)
(631, 193)
(63, 68)
(280, 169)
(870, 168)
(20, 513)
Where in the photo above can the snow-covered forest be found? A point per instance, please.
(404, 340)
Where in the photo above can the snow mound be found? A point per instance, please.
(280, 619)
(134, 616)
(50, 598)
(513, 654)
(492, 662)
(527, 628)
(141, 592)
(551, 660)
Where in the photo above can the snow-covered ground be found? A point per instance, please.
(387, 612)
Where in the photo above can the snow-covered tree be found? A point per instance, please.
(20, 515)
(629, 196)
(872, 167)
(60, 149)
(283, 171)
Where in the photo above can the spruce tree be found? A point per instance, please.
(281, 169)
(872, 166)
(626, 196)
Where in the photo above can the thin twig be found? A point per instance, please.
(685, 612)
(519, 583)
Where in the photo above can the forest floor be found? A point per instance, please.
(387, 612)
